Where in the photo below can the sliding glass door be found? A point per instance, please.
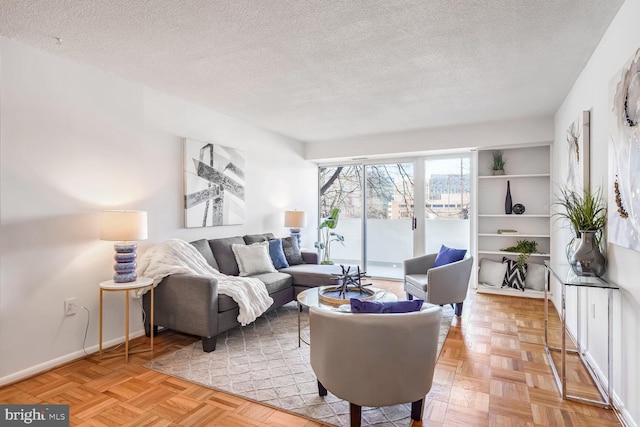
(378, 227)
(341, 188)
(388, 229)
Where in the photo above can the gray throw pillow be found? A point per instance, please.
(536, 278)
(292, 251)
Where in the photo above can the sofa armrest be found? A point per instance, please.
(187, 303)
(310, 257)
(419, 265)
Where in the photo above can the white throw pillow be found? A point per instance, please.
(491, 272)
(253, 259)
(536, 278)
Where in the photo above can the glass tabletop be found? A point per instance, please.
(565, 274)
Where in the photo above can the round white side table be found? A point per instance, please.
(111, 286)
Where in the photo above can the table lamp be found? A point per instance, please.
(124, 227)
(295, 220)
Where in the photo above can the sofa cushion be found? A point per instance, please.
(225, 303)
(313, 274)
(253, 259)
(224, 256)
(250, 239)
(203, 247)
(420, 281)
(277, 254)
(292, 251)
(274, 281)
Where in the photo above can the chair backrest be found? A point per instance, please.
(375, 359)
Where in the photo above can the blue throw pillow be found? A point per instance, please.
(359, 306)
(277, 254)
(448, 255)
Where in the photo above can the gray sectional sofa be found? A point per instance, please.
(191, 303)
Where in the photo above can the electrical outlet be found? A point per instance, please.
(70, 307)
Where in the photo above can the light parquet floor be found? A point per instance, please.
(492, 372)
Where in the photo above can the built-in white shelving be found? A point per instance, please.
(528, 171)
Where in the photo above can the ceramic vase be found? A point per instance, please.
(508, 203)
(587, 260)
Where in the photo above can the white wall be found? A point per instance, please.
(74, 141)
(591, 92)
(432, 140)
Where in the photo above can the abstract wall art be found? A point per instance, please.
(624, 156)
(578, 150)
(214, 184)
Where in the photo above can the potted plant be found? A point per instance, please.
(327, 236)
(586, 213)
(525, 248)
(497, 168)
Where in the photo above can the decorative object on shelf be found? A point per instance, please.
(624, 156)
(324, 245)
(295, 220)
(586, 212)
(518, 209)
(525, 249)
(497, 168)
(508, 204)
(214, 184)
(124, 227)
(507, 231)
(587, 260)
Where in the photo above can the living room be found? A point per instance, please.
(76, 140)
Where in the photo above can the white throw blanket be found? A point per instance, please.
(176, 256)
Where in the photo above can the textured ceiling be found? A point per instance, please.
(322, 69)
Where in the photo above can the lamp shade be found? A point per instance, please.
(295, 219)
(124, 225)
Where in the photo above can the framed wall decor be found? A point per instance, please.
(624, 156)
(214, 184)
(578, 135)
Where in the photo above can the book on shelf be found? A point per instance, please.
(507, 231)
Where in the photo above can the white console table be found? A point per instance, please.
(566, 277)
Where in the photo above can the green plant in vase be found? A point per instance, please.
(327, 236)
(525, 248)
(586, 213)
(497, 168)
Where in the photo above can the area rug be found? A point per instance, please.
(263, 363)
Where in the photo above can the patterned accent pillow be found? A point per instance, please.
(514, 277)
(253, 259)
(292, 251)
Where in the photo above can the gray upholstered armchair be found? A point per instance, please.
(375, 359)
(447, 284)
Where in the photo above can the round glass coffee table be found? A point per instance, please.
(311, 298)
